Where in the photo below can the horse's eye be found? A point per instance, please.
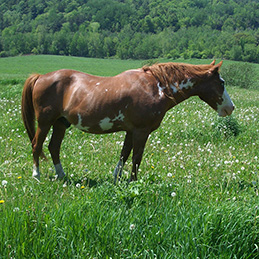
(222, 81)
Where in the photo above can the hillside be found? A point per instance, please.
(197, 194)
(141, 29)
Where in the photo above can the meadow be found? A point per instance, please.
(196, 197)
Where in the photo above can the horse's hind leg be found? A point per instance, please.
(125, 152)
(37, 142)
(139, 141)
(58, 134)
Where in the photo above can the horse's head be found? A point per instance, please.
(212, 90)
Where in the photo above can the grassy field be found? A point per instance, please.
(197, 194)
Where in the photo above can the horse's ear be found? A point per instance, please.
(213, 62)
(215, 69)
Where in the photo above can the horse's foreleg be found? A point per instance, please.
(139, 141)
(125, 152)
(37, 144)
(58, 134)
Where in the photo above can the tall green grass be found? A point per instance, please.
(197, 194)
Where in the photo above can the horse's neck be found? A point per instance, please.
(181, 91)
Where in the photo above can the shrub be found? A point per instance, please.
(239, 74)
(227, 126)
(3, 54)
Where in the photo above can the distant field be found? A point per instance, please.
(20, 67)
(197, 194)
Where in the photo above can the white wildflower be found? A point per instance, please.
(4, 183)
(173, 194)
(132, 226)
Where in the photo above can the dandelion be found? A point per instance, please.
(78, 185)
(82, 187)
(1, 201)
(19, 177)
(152, 167)
(173, 194)
(4, 183)
(169, 175)
(132, 226)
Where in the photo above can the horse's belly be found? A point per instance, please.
(105, 124)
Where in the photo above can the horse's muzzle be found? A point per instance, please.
(226, 110)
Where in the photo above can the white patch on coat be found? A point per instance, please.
(174, 88)
(183, 85)
(119, 117)
(79, 124)
(79, 120)
(186, 85)
(106, 123)
(227, 106)
(160, 89)
(97, 83)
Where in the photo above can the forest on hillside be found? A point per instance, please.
(137, 29)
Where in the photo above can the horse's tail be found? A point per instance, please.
(28, 113)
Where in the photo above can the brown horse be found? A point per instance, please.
(134, 101)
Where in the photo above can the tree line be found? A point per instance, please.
(137, 29)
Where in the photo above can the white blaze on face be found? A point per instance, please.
(227, 106)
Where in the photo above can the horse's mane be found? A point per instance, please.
(174, 73)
